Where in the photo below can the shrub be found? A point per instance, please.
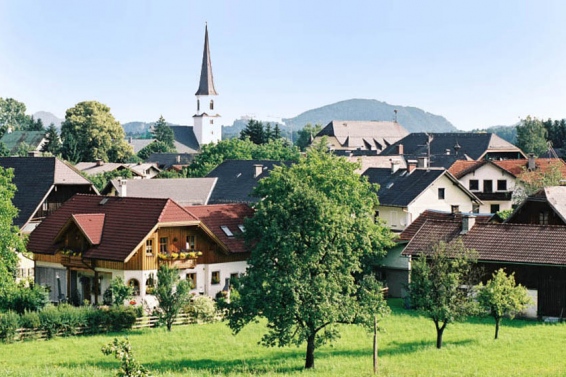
(23, 298)
(203, 309)
(50, 319)
(121, 317)
(120, 291)
(96, 320)
(70, 319)
(30, 320)
(8, 326)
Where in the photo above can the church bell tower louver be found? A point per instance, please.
(206, 121)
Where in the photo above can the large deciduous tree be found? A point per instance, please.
(90, 132)
(12, 115)
(531, 136)
(502, 297)
(441, 282)
(309, 234)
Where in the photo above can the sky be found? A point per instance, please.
(477, 63)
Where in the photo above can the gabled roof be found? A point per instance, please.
(371, 135)
(12, 140)
(91, 224)
(127, 222)
(139, 144)
(185, 139)
(401, 188)
(511, 243)
(167, 160)
(237, 179)
(35, 178)
(542, 165)
(231, 216)
(378, 161)
(430, 214)
(555, 196)
(185, 191)
(446, 148)
(94, 168)
(206, 83)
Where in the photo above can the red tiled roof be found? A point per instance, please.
(230, 215)
(517, 167)
(127, 221)
(91, 225)
(414, 227)
(462, 167)
(514, 243)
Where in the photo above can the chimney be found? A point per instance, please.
(400, 149)
(531, 164)
(423, 162)
(130, 140)
(178, 159)
(447, 152)
(395, 166)
(122, 189)
(411, 165)
(34, 153)
(258, 168)
(99, 162)
(468, 222)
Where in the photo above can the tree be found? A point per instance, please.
(502, 297)
(12, 115)
(306, 135)
(101, 180)
(529, 182)
(155, 147)
(120, 291)
(163, 133)
(307, 238)
(53, 143)
(122, 350)
(172, 293)
(440, 283)
(531, 136)
(10, 239)
(90, 132)
(35, 124)
(255, 131)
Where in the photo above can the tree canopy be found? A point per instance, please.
(12, 115)
(163, 133)
(531, 136)
(172, 293)
(155, 147)
(308, 237)
(259, 133)
(90, 132)
(306, 134)
(53, 143)
(438, 279)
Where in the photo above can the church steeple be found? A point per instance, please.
(206, 85)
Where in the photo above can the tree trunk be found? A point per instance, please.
(439, 331)
(309, 362)
(497, 321)
(374, 345)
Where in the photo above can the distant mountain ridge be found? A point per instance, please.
(412, 118)
(47, 118)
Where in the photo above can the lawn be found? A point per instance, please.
(407, 348)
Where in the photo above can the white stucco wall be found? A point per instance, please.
(493, 173)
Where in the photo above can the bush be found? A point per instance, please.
(8, 326)
(22, 299)
(121, 317)
(30, 320)
(96, 320)
(50, 319)
(70, 319)
(203, 309)
(120, 291)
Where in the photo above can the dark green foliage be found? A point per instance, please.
(438, 284)
(556, 132)
(508, 133)
(101, 180)
(121, 317)
(53, 143)
(70, 318)
(30, 320)
(163, 133)
(155, 147)
(120, 291)
(531, 136)
(34, 125)
(306, 135)
(122, 350)
(4, 152)
(9, 322)
(50, 319)
(172, 293)
(25, 298)
(308, 238)
(255, 132)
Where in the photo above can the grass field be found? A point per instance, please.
(407, 348)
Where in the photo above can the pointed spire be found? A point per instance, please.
(206, 85)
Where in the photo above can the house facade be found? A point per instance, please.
(91, 240)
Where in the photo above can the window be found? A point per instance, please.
(502, 185)
(234, 276)
(135, 284)
(212, 121)
(543, 218)
(44, 206)
(149, 247)
(215, 278)
(494, 208)
(163, 244)
(191, 243)
(192, 279)
(198, 104)
(441, 193)
(475, 208)
(474, 185)
(242, 229)
(227, 231)
(455, 209)
(487, 186)
(211, 104)
(150, 284)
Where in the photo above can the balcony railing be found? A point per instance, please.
(180, 260)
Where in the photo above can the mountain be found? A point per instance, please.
(412, 118)
(137, 128)
(508, 133)
(47, 118)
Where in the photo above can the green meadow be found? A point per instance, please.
(406, 348)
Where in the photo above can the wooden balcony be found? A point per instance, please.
(73, 261)
(182, 260)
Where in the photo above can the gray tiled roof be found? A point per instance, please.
(371, 135)
(206, 83)
(12, 140)
(166, 160)
(185, 191)
(185, 139)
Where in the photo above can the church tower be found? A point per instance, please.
(206, 121)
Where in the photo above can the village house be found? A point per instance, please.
(32, 141)
(545, 207)
(145, 170)
(90, 240)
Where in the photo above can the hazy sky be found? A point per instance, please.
(478, 63)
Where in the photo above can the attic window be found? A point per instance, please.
(227, 231)
(242, 229)
(103, 201)
(389, 185)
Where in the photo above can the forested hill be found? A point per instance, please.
(412, 118)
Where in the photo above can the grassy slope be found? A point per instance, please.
(406, 349)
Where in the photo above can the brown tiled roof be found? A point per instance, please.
(229, 215)
(512, 243)
(413, 228)
(462, 167)
(127, 223)
(91, 224)
(517, 167)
